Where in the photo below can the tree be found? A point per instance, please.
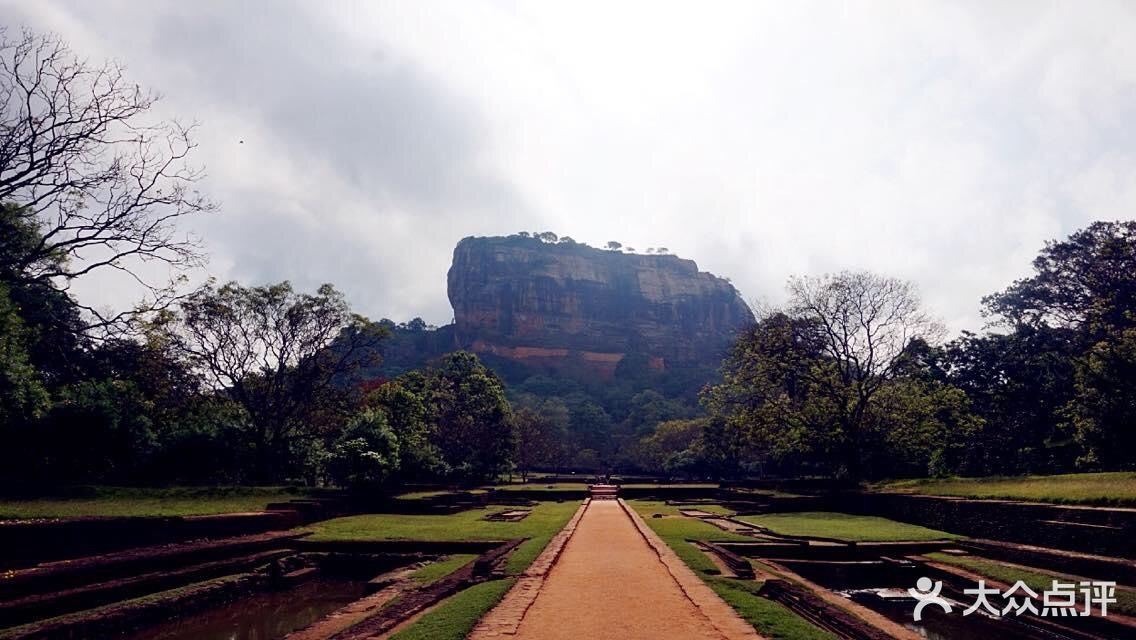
(667, 448)
(1087, 281)
(538, 442)
(773, 393)
(23, 396)
(366, 455)
(864, 323)
(802, 385)
(547, 236)
(612, 245)
(1103, 409)
(404, 404)
(52, 327)
(102, 182)
(276, 352)
(473, 419)
(1019, 382)
(1086, 285)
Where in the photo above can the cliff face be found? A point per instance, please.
(543, 303)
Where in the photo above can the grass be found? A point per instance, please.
(536, 486)
(844, 527)
(771, 619)
(422, 495)
(675, 530)
(1037, 579)
(1116, 488)
(771, 493)
(172, 501)
(441, 568)
(546, 519)
(455, 617)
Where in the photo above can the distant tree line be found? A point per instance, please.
(851, 380)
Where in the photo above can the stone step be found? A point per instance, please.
(46, 605)
(66, 574)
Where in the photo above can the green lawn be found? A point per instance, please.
(422, 495)
(536, 486)
(771, 619)
(582, 486)
(1037, 579)
(1117, 488)
(844, 527)
(441, 568)
(546, 519)
(174, 501)
(675, 530)
(458, 614)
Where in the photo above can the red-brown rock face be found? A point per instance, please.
(537, 302)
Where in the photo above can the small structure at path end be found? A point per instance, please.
(603, 491)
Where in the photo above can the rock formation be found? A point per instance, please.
(565, 303)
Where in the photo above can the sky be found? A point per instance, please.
(942, 143)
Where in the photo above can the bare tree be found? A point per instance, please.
(864, 324)
(83, 160)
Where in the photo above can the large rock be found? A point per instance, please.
(543, 303)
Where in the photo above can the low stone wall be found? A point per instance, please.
(27, 542)
(1097, 530)
(438, 547)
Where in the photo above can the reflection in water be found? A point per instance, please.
(266, 616)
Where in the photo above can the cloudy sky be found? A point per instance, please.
(943, 143)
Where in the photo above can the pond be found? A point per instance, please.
(265, 616)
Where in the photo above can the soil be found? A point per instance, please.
(610, 584)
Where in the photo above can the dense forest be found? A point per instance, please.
(237, 383)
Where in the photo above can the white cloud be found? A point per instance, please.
(939, 142)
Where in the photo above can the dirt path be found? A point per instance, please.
(609, 583)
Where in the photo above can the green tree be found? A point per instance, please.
(1103, 410)
(1020, 383)
(538, 442)
(805, 385)
(366, 455)
(1086, 284)
(277, 353)
(404, 403)
(667, 448)
(472, 417)
(23, 396)
(863, 323)
(98, 430)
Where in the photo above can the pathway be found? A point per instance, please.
(615, 579)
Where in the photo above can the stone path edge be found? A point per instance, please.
(505, 618)
(721, 615)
